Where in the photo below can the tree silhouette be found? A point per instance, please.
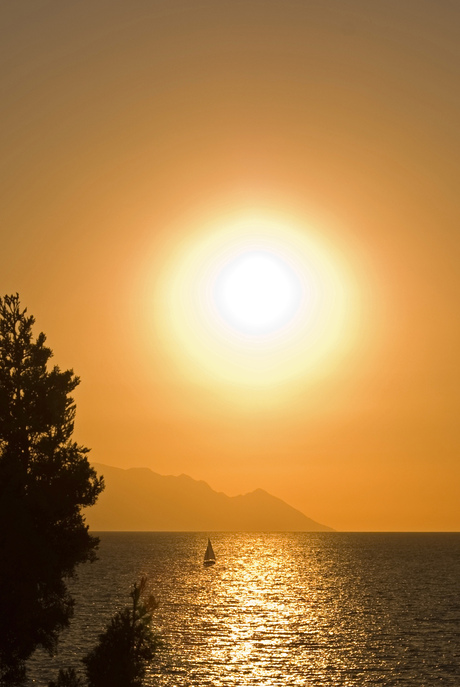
(126, 647)
(45, 480)
(67, 678)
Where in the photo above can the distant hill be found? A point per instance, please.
(139, 499)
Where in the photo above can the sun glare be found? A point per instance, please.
(257, 293)
(256, 302)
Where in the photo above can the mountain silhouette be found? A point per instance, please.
(139, 499)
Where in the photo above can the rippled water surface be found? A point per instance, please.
(280, 609)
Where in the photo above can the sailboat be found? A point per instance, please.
(209, 556)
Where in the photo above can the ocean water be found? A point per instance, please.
(313, 609)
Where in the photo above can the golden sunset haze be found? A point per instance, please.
(150, 149)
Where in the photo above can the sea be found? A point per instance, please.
(312, 609)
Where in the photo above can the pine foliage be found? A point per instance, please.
(126, 647)
(45, 481)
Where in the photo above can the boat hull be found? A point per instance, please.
(207, 564)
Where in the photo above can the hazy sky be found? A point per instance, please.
(137, 136)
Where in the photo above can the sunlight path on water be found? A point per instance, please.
(287, 609)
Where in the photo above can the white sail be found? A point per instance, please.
(209, 556)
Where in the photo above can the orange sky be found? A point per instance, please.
(130, 130)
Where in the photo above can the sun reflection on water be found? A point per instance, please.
(262, 618)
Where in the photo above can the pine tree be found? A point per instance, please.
(126, 647)
(45, 480)
(67, 677)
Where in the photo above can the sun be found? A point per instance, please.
(255, 302)
(257, 292)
